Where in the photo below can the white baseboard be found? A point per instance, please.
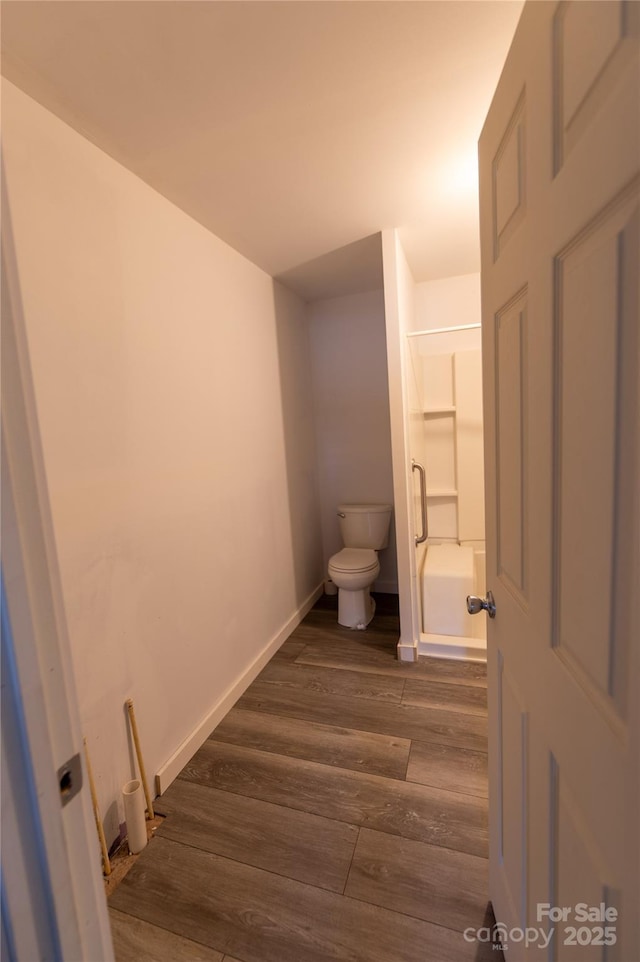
(174, 765)
(452, 646)
(407, 651)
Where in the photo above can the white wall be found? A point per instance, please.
(172, 382)
(449, 302)
(349, 361)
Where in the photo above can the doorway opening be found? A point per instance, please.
(445, 403)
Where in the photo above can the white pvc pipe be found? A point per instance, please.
(133, 797)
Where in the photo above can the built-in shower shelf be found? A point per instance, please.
(436, 412)
(442, 493)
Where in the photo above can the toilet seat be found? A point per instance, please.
(355, 560)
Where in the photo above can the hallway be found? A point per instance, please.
(338, 812)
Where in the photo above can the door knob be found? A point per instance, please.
(475, 604)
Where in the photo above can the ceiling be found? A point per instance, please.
(295, 131)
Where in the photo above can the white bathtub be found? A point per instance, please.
(450, 572)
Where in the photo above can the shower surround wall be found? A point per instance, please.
(451, 365)
(172, 381)
(451, 369)
(452, 412)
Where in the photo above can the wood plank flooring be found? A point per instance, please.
(337, 814)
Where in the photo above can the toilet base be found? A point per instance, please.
(355, 608)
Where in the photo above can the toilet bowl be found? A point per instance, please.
(353, 571)
(365, 529)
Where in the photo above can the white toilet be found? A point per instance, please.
(365, 530)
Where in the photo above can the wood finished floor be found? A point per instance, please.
(338, 812)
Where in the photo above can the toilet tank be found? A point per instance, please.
(364, 525)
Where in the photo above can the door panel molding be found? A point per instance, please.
(511, 408)
(578, 867)
(584, 80)
(509, 179)
(590, 394)
(513, 741)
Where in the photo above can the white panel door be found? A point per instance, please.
(560, 181)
